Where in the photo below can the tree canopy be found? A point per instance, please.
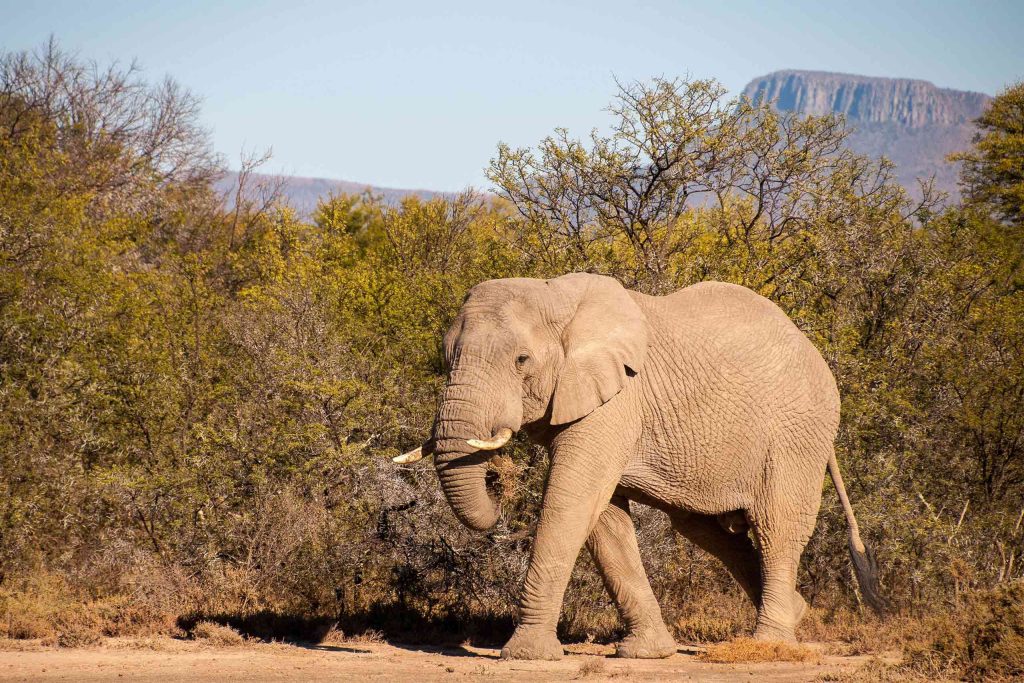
(993, 172)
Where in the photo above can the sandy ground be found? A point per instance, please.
(169, 660)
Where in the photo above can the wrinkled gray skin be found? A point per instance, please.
(708, 404)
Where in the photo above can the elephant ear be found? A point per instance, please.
(604, 339)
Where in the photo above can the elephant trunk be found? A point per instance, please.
(464, 482)
(461, 469)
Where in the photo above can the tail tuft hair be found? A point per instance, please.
(866, 569)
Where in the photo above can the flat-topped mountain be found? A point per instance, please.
(912, 122)
(865, 99)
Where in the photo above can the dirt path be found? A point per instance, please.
(168, 660)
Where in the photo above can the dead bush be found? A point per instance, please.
(29, 605)
(217, 634)
(78, 635)
(368, 636)
(334, 636)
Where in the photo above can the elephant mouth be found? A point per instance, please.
(463, 458)
(493, 443)
(481, 445)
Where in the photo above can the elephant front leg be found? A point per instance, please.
(579, 486)
(617, 556)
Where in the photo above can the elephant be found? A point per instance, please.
(708, 404)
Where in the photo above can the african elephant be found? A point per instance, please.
(708, 404)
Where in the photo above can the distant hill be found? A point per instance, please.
(912, 122)
(304, 193)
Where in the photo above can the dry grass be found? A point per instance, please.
(367, 636)
(750, 650)
(877, 670)
(983, 640)
(34, 645)
(217, 634)
(705, 628)
(712, 620)
(509, 473)
(592, 666)
(43, 606)
(152, 643)
(335, 636)
(847, 632)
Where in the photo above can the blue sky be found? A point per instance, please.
(417, 94)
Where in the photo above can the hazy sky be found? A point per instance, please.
(417, 94)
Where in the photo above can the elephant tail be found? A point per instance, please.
(864, 564)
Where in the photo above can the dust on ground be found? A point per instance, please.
(165, 659)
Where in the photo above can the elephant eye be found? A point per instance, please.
(521, 359)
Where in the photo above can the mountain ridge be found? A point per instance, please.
(912, 122)
(910, 102)
(303, 193)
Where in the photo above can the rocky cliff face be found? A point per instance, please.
(913, 123)
(863, 99)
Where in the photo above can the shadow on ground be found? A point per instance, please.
(400, 626)
(457, 651)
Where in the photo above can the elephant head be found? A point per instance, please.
(520, 352)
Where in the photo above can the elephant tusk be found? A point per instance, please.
(410, 457)
(497, 441)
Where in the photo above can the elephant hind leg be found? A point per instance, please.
(744, 561)
(614, 548)
(781, 606)
(734, 549)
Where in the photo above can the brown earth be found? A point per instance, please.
(170, 660)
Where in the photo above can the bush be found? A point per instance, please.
(982, 640)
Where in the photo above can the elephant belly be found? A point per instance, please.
(693, 484)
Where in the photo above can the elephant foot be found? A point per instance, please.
(771, 629)
(650, 643)
(532, 643)
(774, 633)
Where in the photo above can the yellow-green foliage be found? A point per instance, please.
(198, 399)
(994, 170)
